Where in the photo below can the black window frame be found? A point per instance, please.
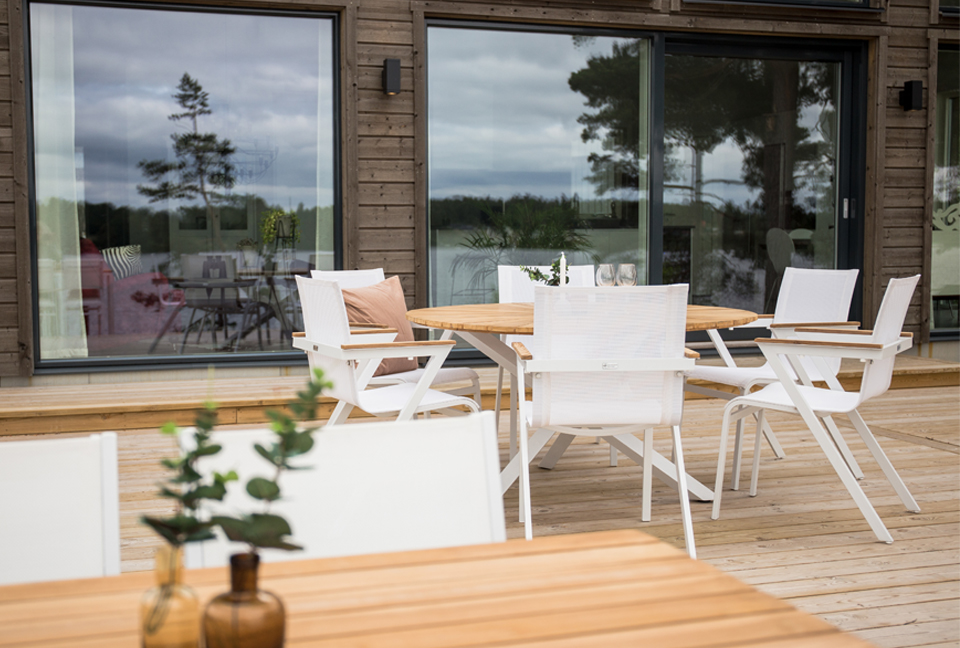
(136, 363)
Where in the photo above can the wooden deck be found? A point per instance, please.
(135, 405)
(801, 539)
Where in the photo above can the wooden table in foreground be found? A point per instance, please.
(482, 325)
(609, 589)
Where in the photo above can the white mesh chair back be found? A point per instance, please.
(889, 325)
(810, 295)
(60, 512)
(350, 278)
(369, 488)
(608, 324)
(516, 286)
(325, 321)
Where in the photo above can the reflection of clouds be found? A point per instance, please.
(261, 74)
(500, 101)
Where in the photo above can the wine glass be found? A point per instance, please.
(605, 275)
(626, 274)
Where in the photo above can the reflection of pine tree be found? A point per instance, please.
(202, 160)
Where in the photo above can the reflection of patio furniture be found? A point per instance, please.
(780, 248)
(877, 349)
(422, 484)
(945, 269)
(60, 509)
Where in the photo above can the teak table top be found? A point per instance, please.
(611, 589)
(517, 319)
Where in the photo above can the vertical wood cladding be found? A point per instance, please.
(384, 193)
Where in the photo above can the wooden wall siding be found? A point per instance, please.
(384, 144)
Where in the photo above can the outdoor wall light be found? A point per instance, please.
(391, 76)
(911, 97)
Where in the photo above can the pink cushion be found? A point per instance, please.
(382, 303)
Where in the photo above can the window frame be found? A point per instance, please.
(140, 362)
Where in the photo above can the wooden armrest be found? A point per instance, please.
(852, 345)
(812, 324)
(299, 334)
(765, 316)
(367, 325)
(522, 351)
(834, 331)
(392, 345)
(373, 330)
(690, 353)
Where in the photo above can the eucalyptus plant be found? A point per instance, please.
(536, 274)
(264, 529)
(188, 487)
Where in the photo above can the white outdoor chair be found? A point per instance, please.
(369, 488)
(60, 512)
(877, 349)
(807, 298)
(446, 375)
(515, 286)
(349, 358)
(609, 357)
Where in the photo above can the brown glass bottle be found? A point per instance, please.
(169, 612)
(244, 617)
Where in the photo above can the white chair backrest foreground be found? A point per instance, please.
(60, 509)
(370, 488)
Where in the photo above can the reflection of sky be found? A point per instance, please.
(261, 74)
(503, 119)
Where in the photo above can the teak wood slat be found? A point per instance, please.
(609, 588)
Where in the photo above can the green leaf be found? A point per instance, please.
(170, 428)
(205, 451)
(225, 478)
(233, 528)
(269, 455)
(263, 489)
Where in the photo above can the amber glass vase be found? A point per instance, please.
(169, 612)
(244, 617)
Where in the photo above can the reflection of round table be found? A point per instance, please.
(482, 325)
(517, 319)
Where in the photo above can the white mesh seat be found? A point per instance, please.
(818, 345)
(60, 513)
(446, 375)
(418, 485)
(807, 297)
(611, 359)
(349, 358)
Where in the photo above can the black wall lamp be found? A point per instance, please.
(911, 97)
(391, 76)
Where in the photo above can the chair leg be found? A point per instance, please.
(496, 401)
(737, 456)
(758, 438)
(613, 457)
(728, 413)
(884, 462)
(842, 446)
(648, 474)
(772, 441)
(556, 451)
(682, 492)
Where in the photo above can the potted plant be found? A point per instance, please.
(248, 252)
(170, 611)
(281, 224)
(247, 616)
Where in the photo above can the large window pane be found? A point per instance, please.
(538, 142)
(945, 264)
(183, 174)
(750, 174)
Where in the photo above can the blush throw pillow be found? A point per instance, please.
(382, 303)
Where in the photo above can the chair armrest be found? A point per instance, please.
(832, 331)
(372, 331)
(394, 345)
(762, 321)
(821, 343)
(690, 353)
(363, 325)
(834, 325)
(522, 351)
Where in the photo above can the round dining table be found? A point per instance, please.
(481, 325)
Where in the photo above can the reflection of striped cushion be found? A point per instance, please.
(124, 261)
